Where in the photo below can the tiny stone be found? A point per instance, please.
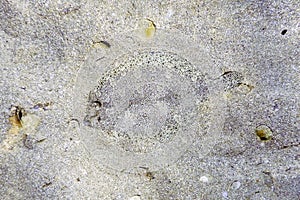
(283, 32)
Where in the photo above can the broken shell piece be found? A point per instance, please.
(30, 122)
(146, 29)
(264, 133)
(15, 119)
(236, 185)
(206, 178)
(21, 122)
(137, 197)
(101, 44)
